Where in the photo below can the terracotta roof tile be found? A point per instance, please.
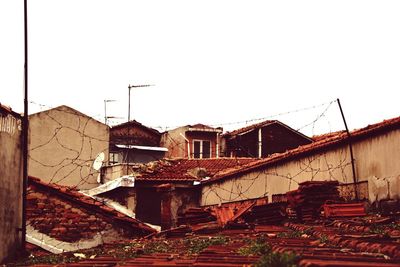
(54, 209)
(185, 169)
(135, 123)
(250, 127)
(314, 245)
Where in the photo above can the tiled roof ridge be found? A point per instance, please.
(315, 146)
(137, 123)
(250, 127)
(90, 204)
(178, 170)
(220, 158)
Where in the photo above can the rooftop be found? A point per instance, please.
(64, 213)
(322, 143)
(189, 169)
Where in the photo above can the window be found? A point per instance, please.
(201, 149)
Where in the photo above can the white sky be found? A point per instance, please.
(211, 61)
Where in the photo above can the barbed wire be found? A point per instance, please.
(81, 149)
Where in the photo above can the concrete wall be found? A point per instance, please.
(374, 157)
(176, 144)
(63, 146)
(10, 184)
(112, 172)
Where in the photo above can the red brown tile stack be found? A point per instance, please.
(196, 216)
(308, 199)
(272, 213)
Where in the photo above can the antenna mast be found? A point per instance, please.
(129, 97)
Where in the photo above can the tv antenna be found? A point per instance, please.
(129, 96)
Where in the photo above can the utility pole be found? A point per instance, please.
(351, 151)
(25, 131)
(129, 96)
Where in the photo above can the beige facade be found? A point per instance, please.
(181, 142)
(10, 183)
(64, 144)
(376, 157)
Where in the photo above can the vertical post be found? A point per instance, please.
(25, 131)
(129, 102)
(260, 142)
(105, 112)
(351, 151)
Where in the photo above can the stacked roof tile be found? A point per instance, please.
(320, 245)
(309, 198)
(273, 213)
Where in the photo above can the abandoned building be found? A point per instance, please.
(197, 141)
(262, 139)
(159, 191)
(274, 182)
(11, 182)
(63, 146)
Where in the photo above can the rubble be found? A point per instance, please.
(309, 198)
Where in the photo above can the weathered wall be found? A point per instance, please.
(63, 146)
(10, 184)
(183, 199)
(375, 156)
(176, 144)
(112, 172)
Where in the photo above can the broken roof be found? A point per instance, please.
(331, 243)
(85, 203)
(332, 140)
(186, 169)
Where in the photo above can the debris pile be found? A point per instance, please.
(272, 213)
(195, 216)
(308, 199)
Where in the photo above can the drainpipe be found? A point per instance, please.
(260, 143)
(188, 144)
(351, 151)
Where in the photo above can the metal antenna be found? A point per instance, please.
(129, 96)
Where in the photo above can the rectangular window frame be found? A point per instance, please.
(194, 154)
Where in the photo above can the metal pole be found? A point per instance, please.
(129, 102)
(25, 130)
(129, 97)
(351, 151)
(105, 112)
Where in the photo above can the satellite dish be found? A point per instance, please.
(98, 162)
